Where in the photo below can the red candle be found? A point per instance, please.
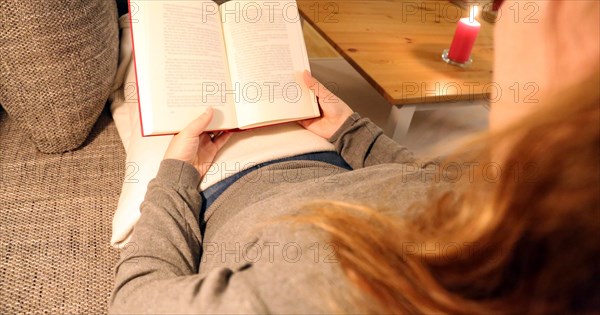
(464, 39)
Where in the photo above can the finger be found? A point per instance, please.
(309, 79)
(198, 125)
(222, 139)
(312, 83)
(320, 90)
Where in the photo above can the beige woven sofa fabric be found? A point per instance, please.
(55, 221)
(57, 64)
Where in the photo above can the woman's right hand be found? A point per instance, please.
(195, 146)
(334, 110)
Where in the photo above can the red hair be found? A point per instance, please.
(536, 238)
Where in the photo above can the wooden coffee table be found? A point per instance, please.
(396, 45)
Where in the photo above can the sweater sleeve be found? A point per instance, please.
(362, 143)
(157, 271)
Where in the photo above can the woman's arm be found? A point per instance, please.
(362, 143)
(165, 244)
(358, 140)
(157, 272)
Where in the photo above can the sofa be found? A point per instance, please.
(62, 161)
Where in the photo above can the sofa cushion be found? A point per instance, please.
(58, 62)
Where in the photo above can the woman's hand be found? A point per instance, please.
(334, 110)
(195, 146)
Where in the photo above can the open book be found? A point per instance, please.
(244, 58)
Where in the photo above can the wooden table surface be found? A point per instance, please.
(397, 46)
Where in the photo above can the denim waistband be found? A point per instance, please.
(213, 192)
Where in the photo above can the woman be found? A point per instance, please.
(309, 235)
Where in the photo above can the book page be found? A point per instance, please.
(183, 64)
(267, 58)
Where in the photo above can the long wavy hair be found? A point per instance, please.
(526, 243)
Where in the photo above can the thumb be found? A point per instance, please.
(320, 90)
(198, 125)
(312, 83)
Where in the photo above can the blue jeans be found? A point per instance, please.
(213, 192)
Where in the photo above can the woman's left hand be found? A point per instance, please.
(195, 146)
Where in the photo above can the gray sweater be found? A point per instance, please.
(245, 258)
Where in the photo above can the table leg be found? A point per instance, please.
(399, 121)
